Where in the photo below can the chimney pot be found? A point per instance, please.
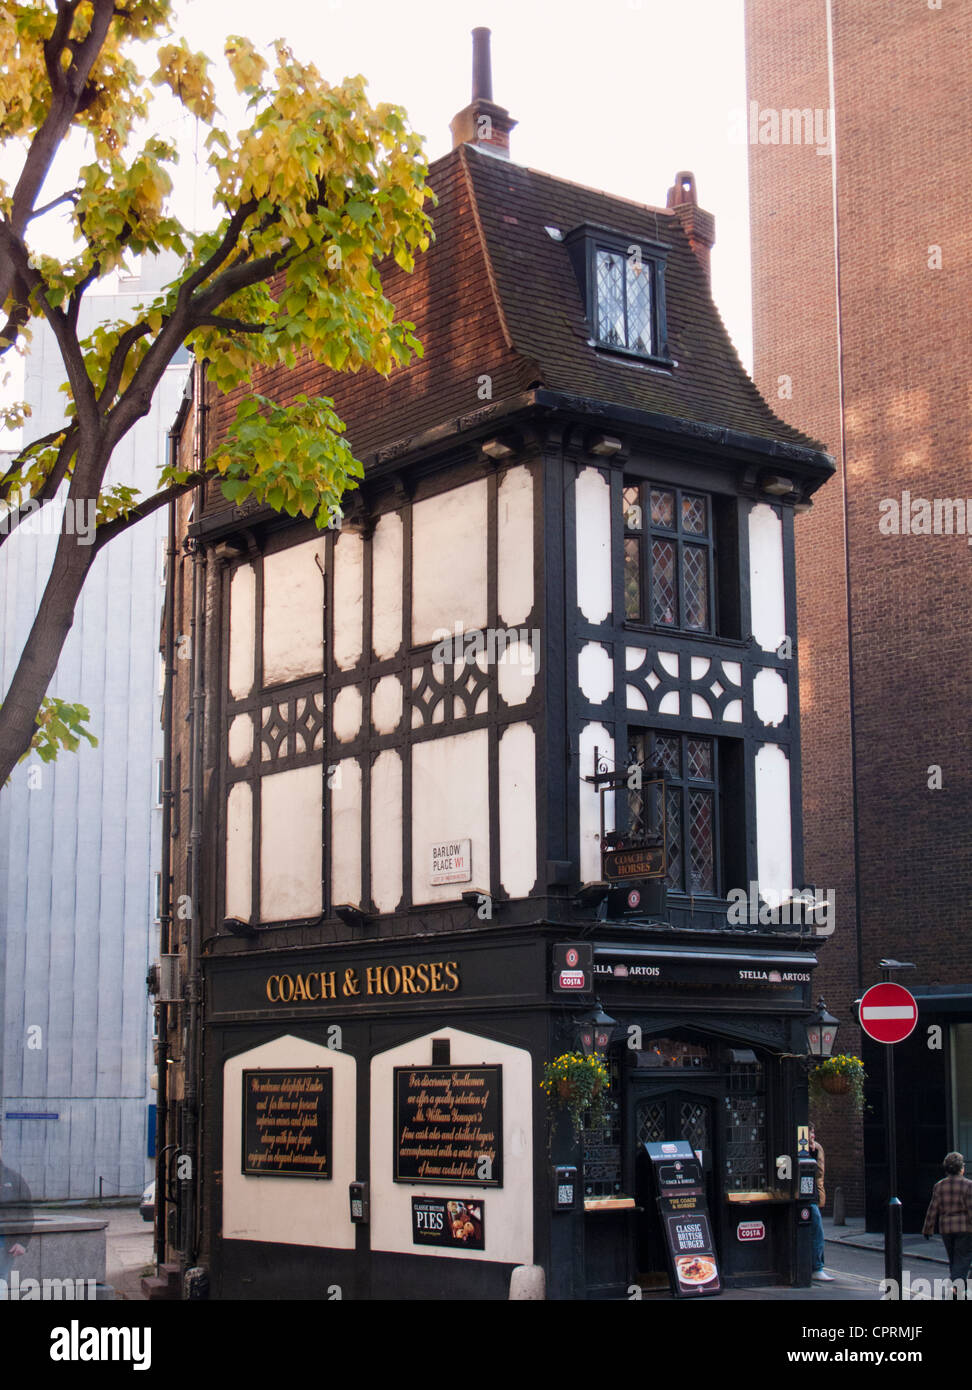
(482, 74)
(482, 123)
(699, 225)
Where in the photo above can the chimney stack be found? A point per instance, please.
(482, 122)
(699, 225)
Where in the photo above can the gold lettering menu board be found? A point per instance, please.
(287, 1123)
(449, 1125)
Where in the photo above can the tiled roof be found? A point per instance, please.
(496, 296)
(541, 302)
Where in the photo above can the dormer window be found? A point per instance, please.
(623, 284)
(624, 300)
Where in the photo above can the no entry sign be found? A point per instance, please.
(888, 1013)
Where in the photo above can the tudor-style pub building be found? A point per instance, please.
(490, 758)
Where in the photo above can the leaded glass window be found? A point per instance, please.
(690, 769)
(668, 558)
(624, 301)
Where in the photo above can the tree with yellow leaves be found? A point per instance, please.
(310, 199)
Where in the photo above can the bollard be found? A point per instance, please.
(840, 1213)
(528, 1282)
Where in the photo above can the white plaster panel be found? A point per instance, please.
(773, 839)
(242, 628)
(239, 851)
(290, 1211)
(449, 562)
(593, 735)
(635, 699)
(634, 657)
(386, 830)
(732, 714)
(345, 794)
(386, 579)
(518, 810)
(346, 713)
(348, 599)
(509, 1209)
(593, 527)
(733, 671)
(450, 801)
(516, 673)
(293, 613)
(240, 740)
(699, 666)
(670, 703)
(515, 546)
(767, 594)
(595, 672)
(769, 696)
(291, 825)
(668, 661)
(386, 704)
(700, 708)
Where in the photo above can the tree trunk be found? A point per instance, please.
(42, 650)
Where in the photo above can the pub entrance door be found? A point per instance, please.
(662, 1114)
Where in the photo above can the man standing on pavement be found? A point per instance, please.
(816, 1220)
(951, 1209)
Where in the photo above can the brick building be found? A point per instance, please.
(859, 170)
(415, 864)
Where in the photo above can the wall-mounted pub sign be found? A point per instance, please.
(643, 862)
(449, 1125)
(457, 1225)
(287, 1123)
(684, 1215)
(573, 967)
(637, 854)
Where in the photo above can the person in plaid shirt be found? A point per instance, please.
(951, 1209)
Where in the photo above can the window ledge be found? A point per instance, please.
(646, 630)
(650, 361)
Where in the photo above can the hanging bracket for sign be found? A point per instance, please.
(637, 854)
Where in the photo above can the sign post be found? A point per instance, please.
(889, 1015)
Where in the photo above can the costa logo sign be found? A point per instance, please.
(750, 1230)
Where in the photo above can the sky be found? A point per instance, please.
(616, 94)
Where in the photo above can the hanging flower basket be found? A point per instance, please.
(838, 1076)
(578, 1084)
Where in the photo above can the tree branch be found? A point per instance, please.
(7, 479)
(117, 364)
(70, 197)
(71, 354)
(229, 325)
(66, 88)
(230, 238)
(110, 529)
(49, 487)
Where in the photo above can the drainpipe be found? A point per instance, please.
(190, 1137)
(169, 793)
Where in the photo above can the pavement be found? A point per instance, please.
(130, 1250)
(855, 1257)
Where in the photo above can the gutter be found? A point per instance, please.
(814, 465)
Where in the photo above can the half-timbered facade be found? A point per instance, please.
(555, 626)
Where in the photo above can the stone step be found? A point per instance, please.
(166, 1284)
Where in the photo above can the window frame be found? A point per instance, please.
(683, 785)
(680, 538)
(583, 244)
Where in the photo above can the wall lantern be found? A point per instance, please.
(821, 1032)
(595, 1030)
